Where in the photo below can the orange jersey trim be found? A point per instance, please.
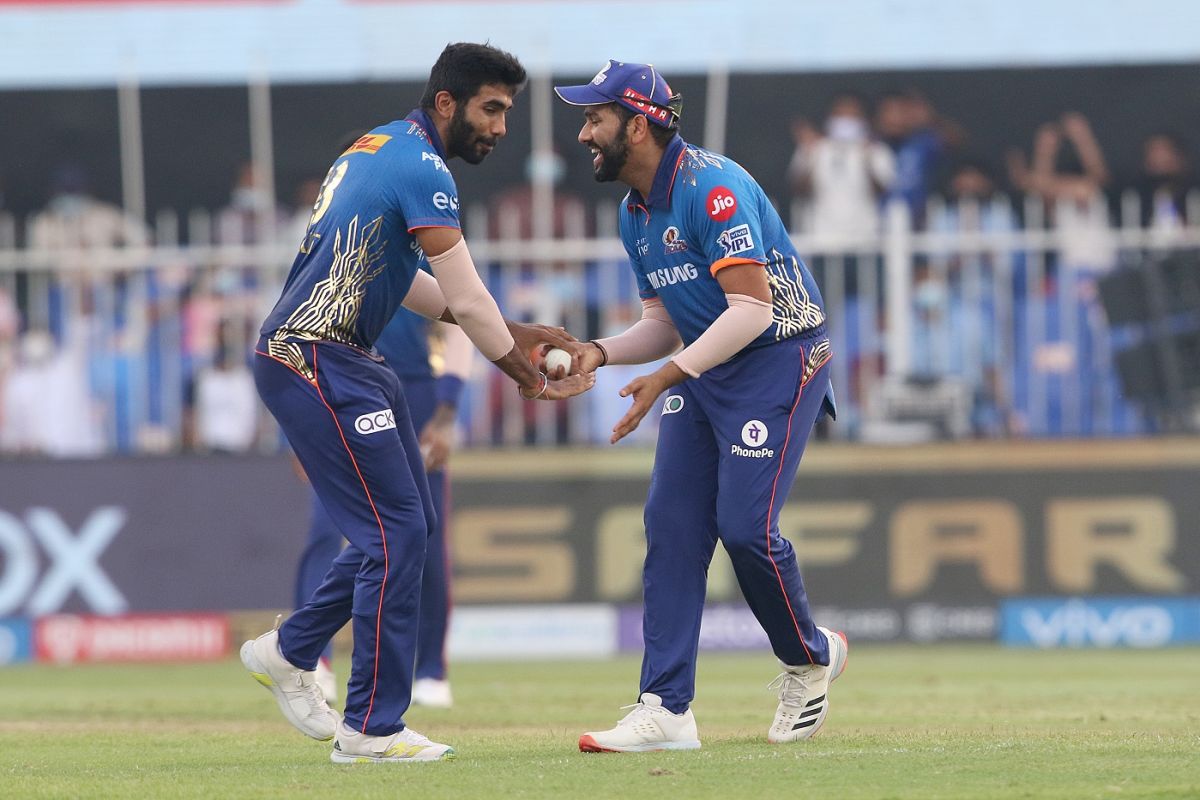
(722, 263)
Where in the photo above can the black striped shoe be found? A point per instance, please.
(804, 693)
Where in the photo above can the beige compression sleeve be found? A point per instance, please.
(469, 301)
(736, 327)
(649, 339)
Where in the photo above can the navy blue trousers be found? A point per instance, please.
(345, 416)
(325, 543)
(729, 444)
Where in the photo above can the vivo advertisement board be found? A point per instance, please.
(1100, 621)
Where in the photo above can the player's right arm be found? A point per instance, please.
(473, 308)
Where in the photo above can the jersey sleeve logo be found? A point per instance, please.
(438, 164)
(736, 240)
(445, 202)
(369, 143)
(721, 204)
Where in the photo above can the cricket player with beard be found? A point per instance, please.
(388, 203)
(717, 274)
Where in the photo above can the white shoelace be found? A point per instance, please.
(792, 686)
(639, 710)
(310, 690)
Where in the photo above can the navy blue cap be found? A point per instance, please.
(638, 87)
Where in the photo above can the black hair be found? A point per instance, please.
(464, 67)
(661, 134)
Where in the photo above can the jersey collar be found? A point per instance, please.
(664, 178)
(421, 119)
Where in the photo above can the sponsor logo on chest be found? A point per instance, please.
(669, 276)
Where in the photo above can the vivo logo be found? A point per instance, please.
(1077, 623)
(73, 561)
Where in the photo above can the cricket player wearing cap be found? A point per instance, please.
(388, 204)
(718, 274)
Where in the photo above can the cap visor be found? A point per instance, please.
(586, 95)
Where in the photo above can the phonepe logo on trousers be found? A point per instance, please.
(754, 436)
(375, 422)
(673, 404)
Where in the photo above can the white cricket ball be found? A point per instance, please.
(557, 357)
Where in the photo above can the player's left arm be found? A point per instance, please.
(748, 315)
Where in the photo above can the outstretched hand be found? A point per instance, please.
(644, 390)
(568, 386)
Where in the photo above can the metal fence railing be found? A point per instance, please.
(984, 323)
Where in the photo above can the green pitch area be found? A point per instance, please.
(933, 722)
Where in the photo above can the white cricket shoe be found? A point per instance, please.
(327, 680)
(647, 727)
(407, 746)
(295, 690)
(804, 693)
(432, 693)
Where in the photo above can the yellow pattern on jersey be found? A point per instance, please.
(332, 309)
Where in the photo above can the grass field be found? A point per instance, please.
(933, 722)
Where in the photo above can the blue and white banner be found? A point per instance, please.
(1100, 621)
(16, 641)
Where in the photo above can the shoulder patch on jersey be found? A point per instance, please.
(736, 240)
(369, 143)
(721, 204)
(438, 163)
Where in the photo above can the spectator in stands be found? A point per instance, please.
(47, 409)
(1165, 182)
(844, 172)
(251, 217)
(956, 333)
(1069, 173)
(920, 138)
(74, 218)
(225, 401)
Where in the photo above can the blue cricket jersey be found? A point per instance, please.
(705, 212)
(359, 253)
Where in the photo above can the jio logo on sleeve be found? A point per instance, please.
(754, 433)
(721, 204)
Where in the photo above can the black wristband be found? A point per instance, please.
(603, 352)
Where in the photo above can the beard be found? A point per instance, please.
(464, 142)
(613, 157)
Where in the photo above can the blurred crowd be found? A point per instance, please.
(153, 356)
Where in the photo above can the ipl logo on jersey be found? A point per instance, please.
(672, 241)
(736, 240)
